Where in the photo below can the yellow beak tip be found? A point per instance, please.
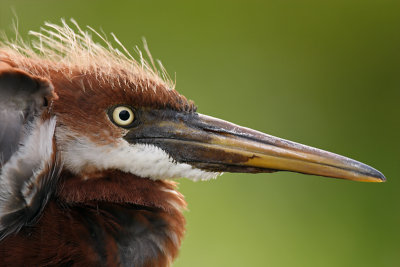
(380, 179)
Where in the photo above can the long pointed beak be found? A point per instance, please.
(216, 145)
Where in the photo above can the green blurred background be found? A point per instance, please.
(323, 73)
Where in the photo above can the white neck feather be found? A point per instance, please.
(80, 154)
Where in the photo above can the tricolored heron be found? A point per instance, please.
(90, 140)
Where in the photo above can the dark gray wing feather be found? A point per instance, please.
(22, 97)
(29, 166)
(10, 131)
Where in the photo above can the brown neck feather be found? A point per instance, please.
(155, 200)
(110, 219)
(119, 187)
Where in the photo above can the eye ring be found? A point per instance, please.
(122, 116)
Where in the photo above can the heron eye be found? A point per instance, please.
(123, 116)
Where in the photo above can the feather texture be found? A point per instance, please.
(61, 47)
(29, 170)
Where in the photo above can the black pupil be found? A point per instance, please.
(124, 115)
